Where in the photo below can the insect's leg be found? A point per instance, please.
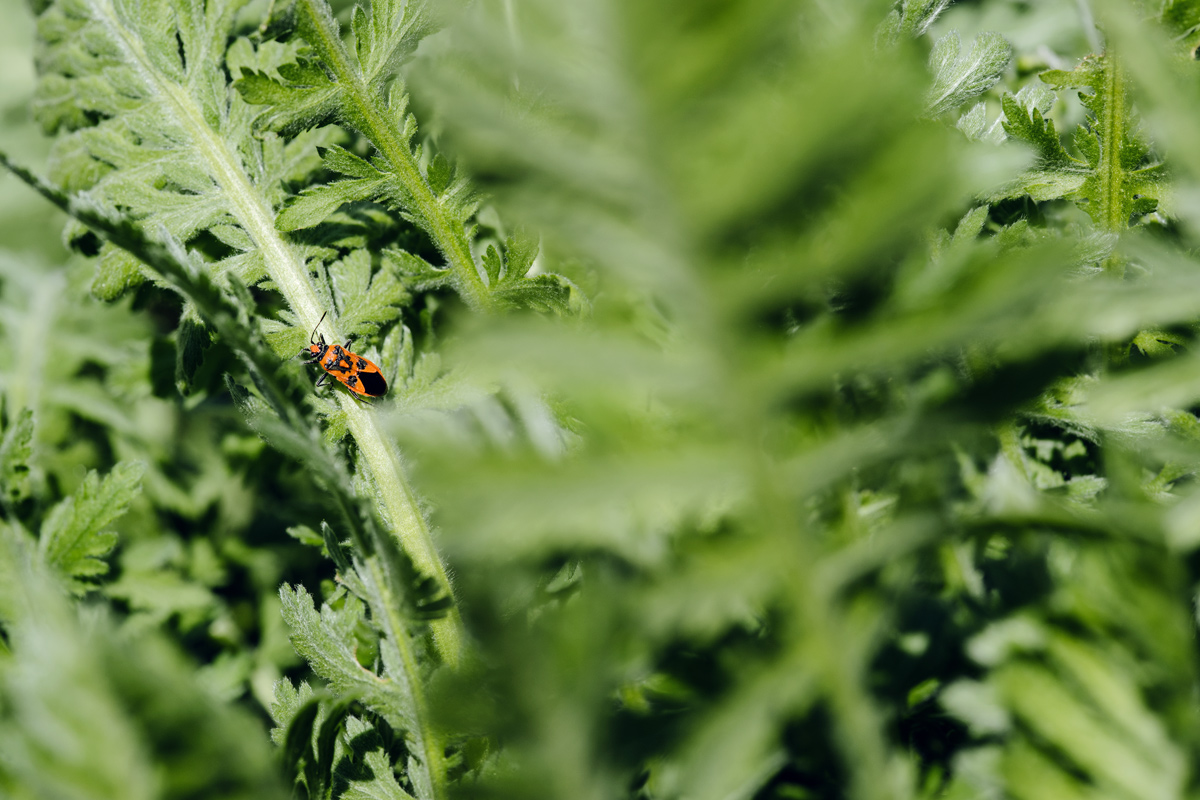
(321, 382)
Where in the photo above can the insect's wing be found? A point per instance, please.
(373, 383)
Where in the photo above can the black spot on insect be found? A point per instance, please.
(351, 380)
(373, 383)
(362, 364)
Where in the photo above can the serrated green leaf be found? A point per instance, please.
(1028, 125)
(367, 300)
(381, 786)
(1085, 76)
(977, 125)
(1182, 15)
(1157, 344)
(360, 23)
(327, 741)
(1088, 144)
(1123, 179)
(1040, 185)
(1036, 95)
(288, 700)
(290, 108)
(493, 265)
(336, 424)
(305, 535)
(545, 292)
(327, 641)
(334, 545)
(304, 72)
(439, 173)
(970, 225)
(761, 375)
(117, 272)
(911, 19)
(350, 278)
(381, 45)
(520, 250)
(416, 272)
(342, 160)
(918, 15)
(957, 78)
(314, 205)
(396, 354)
(138, 722)
(191, 340)
(378, 781)
(1053, 712)
(297, 740)
(74, 536)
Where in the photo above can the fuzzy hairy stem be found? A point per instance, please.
(403, 515)
(429, 743)
(1112, 124)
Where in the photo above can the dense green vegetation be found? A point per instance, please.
(788, 400)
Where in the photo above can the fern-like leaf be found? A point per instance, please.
(958, 78)
(327, 640)
(428, 192)
(75, 535)
(1125, 178)
(1117, 179)
(165, 140)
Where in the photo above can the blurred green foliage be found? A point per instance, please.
(802, 396)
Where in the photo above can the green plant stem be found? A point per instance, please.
(1112, 124)
(367, 111)
(431, 749)
(1114, 212)
(287, 270)
(403, 515)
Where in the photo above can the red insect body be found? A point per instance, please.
(359, 375)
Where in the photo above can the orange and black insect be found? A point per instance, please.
(360, 376)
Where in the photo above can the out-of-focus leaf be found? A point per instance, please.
(75, 535)
(16, 447)
(99, 713)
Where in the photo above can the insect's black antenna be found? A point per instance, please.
(314, 330)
